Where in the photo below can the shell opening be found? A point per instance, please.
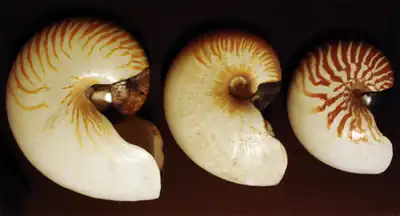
(118, 102)
(240, 88)
(265, 94)
(362, 97)
(366, 100)
(131, 128)
(127, 96)
(375, 100)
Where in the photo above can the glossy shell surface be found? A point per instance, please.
(325, 111)
(225, 136)
(58, 128)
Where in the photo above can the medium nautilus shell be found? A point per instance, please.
(329, 113)
(53, 91)
(213, 94)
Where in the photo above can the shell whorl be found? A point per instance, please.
(223, 55)
(53, 53)
(49, 111)
(327, 111)
(334, 74)
(235, 52)
(224, 135)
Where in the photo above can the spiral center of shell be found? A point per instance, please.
(240, 88)
(357, 91)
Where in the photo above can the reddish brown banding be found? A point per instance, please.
(74, 30)
(81, 111)
(54, 41)
(235, 43)
(348, 68)
(212, 50)
(45, 43)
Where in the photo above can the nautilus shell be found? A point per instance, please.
(208, 99)
(61, 131)
(326, 111)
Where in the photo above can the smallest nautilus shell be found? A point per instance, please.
(328, 106)
(213, 95)
(61, 81)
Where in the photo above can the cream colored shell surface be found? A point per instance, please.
(59, 130)
(326, 115)
(225, 136)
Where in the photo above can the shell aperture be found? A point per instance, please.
(127, 96)
(208, 107)
(57, 126)
(327, 109)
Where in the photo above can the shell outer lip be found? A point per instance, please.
(265, 94)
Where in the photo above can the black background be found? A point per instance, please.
(291, 27)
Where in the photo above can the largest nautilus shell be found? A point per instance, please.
(328, 111)
(213, 94)
(58, 126)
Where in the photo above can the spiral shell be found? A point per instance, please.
(325, 110)
(224, 135)
(59, 129)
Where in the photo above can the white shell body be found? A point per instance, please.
(58, 128)
(325, 114)
(221, 134)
